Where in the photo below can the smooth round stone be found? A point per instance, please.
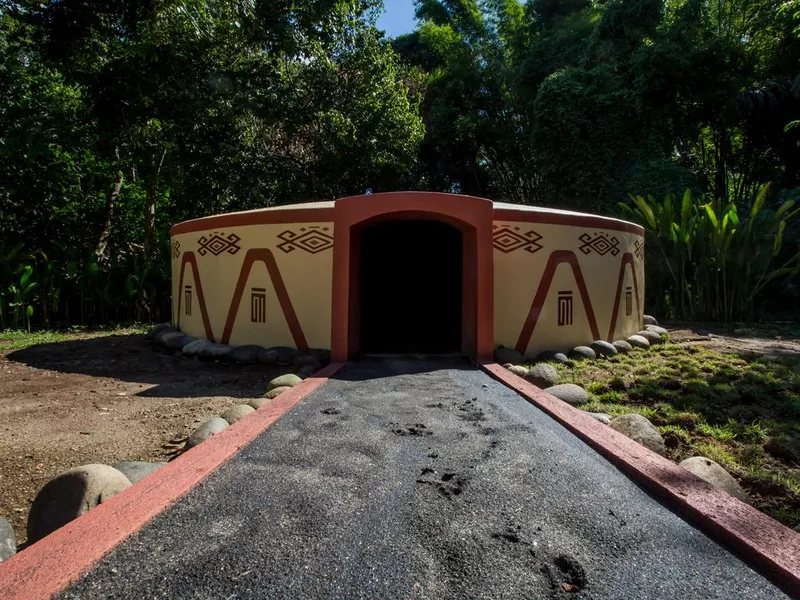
(245, 354)
(508, 355)
(707, 470)
(542, 375)
(163, 338)
(282, 355)
(602, 417)
(159, 329)
(275, 392)
(649, 320)
(651, 337)
(656, 329)
(306, 360)
(321, 354)
(205, 431)
(622, 346)
(582, 353)
(637, 341)
(570, 393)
(136, 470)
(256, 403)
(603, 348)
(193, 348)
(640, 430)
(236, 413)
(553, 356)
(213, 351)
(517, 370)
(177, 341)
(72, 494)
(288, 380)
(8, 541)
(306, 371)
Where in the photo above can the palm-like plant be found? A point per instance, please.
(717, 261)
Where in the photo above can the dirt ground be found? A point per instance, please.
(761, 341)
(103, 400)
(113, 398)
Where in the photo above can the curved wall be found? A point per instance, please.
(266, 283)
(563, 282)
(547, 280)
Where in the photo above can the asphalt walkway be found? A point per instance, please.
(413, 479)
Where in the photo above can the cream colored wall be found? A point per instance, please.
(306, 275)
(518, 274)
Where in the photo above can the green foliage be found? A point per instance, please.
(713, 262)
(120, 118)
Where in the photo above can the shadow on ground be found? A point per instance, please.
(134, 358)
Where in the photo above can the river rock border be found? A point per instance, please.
(632, 425)
(50, 511)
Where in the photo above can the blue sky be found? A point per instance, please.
(398, 17)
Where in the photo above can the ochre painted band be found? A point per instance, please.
(51, 564)
(758, 539)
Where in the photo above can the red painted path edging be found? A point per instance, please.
(762, 541)
(51, 564)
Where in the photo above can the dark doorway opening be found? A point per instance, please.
(410, 283)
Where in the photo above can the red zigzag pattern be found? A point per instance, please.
(566, 256)
(253, 256)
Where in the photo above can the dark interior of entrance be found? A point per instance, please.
(410, 287)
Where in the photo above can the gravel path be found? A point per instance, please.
(410, 479)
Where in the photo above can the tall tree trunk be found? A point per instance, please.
(150, 208)
(149, 215)
(100, 250)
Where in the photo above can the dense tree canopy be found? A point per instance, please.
(119, 118)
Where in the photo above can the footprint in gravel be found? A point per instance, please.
(566, 573)
(509, 535)
(472, 413)
(330, 411)
(417, 429)
(437, 405)
(448, 485)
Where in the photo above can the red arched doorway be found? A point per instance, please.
(471, 221)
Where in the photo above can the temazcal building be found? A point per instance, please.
(408, 272)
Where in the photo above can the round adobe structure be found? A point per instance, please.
(408, 272)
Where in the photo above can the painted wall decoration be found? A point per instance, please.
(602, 243)
(271, 276)
(217, 243)
(508, 238)
(312, 239)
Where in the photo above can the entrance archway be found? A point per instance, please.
(469, 217)
(410, 287)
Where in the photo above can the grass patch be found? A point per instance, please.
(16, 339)
(741, 411)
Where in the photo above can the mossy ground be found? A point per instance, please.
(12, 339)
(741, 411)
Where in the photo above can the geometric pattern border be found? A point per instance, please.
(639, 248)
(217, 243)
(312, 239)
(176, 248)
(601, 243)
(508, 238)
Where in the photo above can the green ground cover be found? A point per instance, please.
(740, 411)
(17, 339)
